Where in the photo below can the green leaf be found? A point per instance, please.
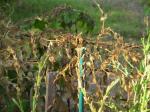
(40, 24)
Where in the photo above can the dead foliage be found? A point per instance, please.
(106, 58)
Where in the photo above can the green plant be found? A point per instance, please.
(19, 104)
(141, 86)
(38, 79)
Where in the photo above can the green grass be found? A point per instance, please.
(31, 8)
(121, 21)
(36, 7)
(124, 23)
(147, 10)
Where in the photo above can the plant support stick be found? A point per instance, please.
(80, 73)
